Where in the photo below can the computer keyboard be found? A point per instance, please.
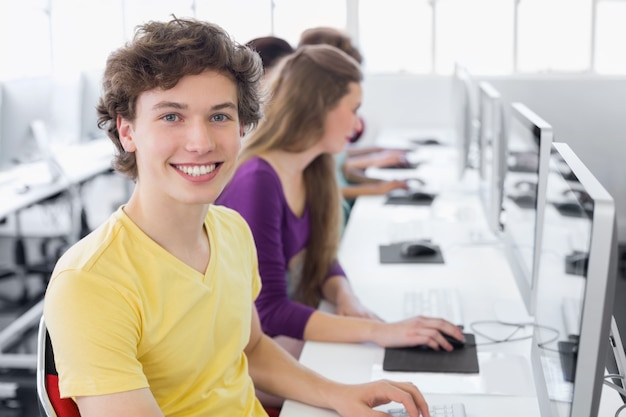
(439, 410)
(441, 302)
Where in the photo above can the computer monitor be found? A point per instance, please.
(574, 302)
(22, 101)
(465, 105)
(492, 152)
(616, 361)
(90, 91)
(523, 203)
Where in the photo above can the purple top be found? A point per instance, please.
(280, 236)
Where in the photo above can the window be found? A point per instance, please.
(396, 37)
(478, 34)
(610, 57)
(490, 37)
(25, 49)
(243, 27)
(292, 17)
(554, 35)
(84, 42)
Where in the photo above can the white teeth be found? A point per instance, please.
(196, 170)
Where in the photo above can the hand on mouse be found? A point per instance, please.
(383, 187)
(418, 331)
(392, 157)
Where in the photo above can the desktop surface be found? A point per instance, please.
(476, 266)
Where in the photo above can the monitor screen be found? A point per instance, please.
(523, 202)
(575, 291)
(492, 152)
(22, 102)
(90, 91)
(465, 103)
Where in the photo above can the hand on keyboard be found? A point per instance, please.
(439, 410)
(434, 302)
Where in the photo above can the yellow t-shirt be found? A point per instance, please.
(123, 314)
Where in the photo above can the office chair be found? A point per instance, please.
(50, 402)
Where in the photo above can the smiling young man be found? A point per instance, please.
(152, 314)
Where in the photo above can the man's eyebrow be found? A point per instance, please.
(180, 106)
(169, 105)
(225, 105)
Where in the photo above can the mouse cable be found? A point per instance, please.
(616, 387)
(511, 337)
(620, 409)
(492, 340)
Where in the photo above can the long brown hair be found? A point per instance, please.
(311, 83)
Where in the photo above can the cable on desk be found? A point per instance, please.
(617, 388)
(511, 337)
(620, 409)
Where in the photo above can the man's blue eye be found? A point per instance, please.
(170, 117)
(219, 117)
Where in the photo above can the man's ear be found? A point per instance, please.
(242, 130)
(125, 130)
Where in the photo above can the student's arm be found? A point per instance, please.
(275, 371)
(136, 403)
(359, 184)
(338, 291)
(326, 327)
(377, 159)
(354, 323)
(362, 150)
(352, 191)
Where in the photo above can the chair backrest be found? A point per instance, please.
(50, 402)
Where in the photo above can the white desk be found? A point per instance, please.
(20, 189)
(474, 263)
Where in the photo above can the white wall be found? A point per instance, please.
(401, 101)
(587, 112)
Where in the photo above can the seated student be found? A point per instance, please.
(286, 188)
(152, 314)
(271, 49)
(354, 160)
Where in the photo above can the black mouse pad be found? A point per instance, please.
(391, 254)
(426, 141)
(407, 201)
(412, 165)
(419, 359)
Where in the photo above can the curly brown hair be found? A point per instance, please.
(160, 54)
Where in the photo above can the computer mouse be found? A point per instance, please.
(415, 183)
(524, 200)
(403, 165)
(526, 187)
(456, 343)
(420, 196)
(569, 208)
(426, 141)
(418, 248)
